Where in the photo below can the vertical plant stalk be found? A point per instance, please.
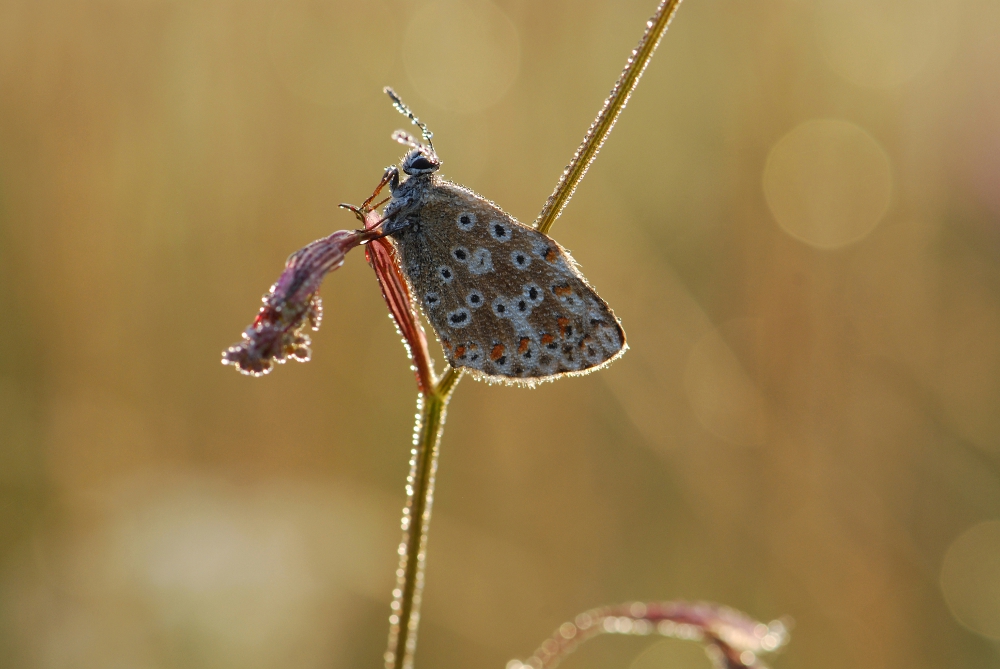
(432, 405)
(407, 596)
(605, 121)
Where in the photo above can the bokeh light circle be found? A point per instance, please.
(462, 56)
(879, 43)
(322, 52)
(970, 578)
(827, 183)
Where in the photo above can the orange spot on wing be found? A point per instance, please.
(446, 343)
(563, 325)
(523, 345)
(497, 352)
(460, 351)
(552, 254)
(562, 291)
(547, 338)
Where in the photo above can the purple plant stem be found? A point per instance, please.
(732, 639)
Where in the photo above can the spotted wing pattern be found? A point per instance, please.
(507, 302)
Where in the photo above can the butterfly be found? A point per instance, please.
(506, 301)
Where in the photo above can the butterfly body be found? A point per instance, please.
(505, 300)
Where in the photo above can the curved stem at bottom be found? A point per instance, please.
(432, 407)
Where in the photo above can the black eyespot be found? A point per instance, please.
(502, 360)
(466, 221)
(474, 299)
(460, 254)
(499, 231)
(532, 293)
(446, 273)
(522, 306)
(501, 308)
(459, 318)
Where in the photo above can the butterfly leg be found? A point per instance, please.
(390, 177)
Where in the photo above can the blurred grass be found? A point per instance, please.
(795, 430)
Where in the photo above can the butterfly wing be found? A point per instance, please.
(506, 301)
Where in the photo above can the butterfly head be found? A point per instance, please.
(420, 160)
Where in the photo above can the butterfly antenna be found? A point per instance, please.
(401, 107)
(406, 139)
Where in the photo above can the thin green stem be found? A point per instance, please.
(407, 596)
(605, 121)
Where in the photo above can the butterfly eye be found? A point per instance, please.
(418, 161)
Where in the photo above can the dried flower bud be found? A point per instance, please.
(278, 332)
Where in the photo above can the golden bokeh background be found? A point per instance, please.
(797, 220)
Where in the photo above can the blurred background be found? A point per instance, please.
(797, 221)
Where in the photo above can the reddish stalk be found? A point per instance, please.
(432, 404)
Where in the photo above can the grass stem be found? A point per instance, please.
(605, 121)
(405, 617)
